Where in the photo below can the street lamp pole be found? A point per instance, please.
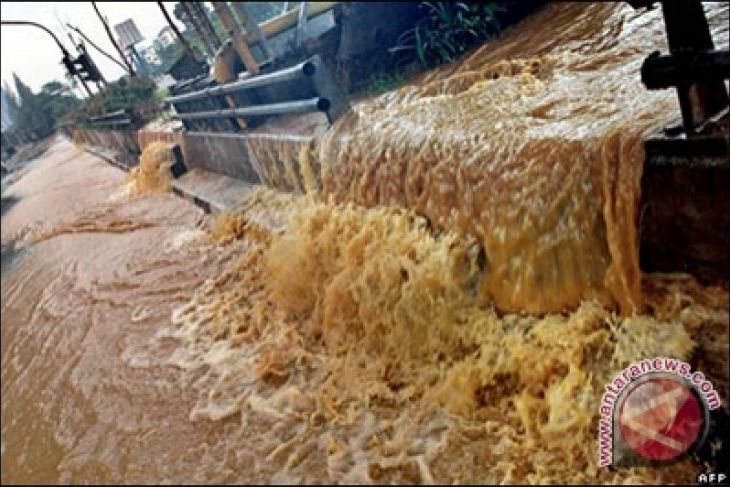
(66, 55)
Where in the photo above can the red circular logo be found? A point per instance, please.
(661, 418)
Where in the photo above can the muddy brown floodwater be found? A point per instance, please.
(307, 339)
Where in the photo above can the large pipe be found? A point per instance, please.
(305, 69)
(312, 104)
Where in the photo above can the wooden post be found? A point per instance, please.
(239, 42)
(253, 33)
(240, 46)
(688, 32)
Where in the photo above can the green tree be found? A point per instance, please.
(57, 99)
(449, 29)
(177, 11)
(34, 115)
(168, 56)
(33, 119)
(11, 105)
(261, 12)
(55, 87)
(135, 94)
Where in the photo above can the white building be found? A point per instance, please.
(165, 37)
(150, 55)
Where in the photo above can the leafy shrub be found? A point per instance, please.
(136, 94)
(383, 81)
(449, 29)
(35, 115)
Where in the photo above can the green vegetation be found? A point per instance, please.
(161, 94)
(138, 94)
(168, 55)
(35, 115)
(447, 30)
(384, 81)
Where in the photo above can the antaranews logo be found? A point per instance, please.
(654, 411)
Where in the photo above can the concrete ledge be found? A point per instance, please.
(212, 192)
(270, 159)
(223, 168)
(222, 153)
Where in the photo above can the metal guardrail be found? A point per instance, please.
(118, 113)
(119, 117)
(660, 72)
(329, 99)
(300, 106)
(120, 121)
(301, 70)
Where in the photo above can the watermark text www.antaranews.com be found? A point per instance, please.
(659, 407)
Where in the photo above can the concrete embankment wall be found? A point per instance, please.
(122, 143)
(691, 230)
(281, 161)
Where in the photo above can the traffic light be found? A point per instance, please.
(69, 63)
(86, 68)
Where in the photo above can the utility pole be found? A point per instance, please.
(198, 30)
(111, 38)
(198, 17)
(73, 43)
(93, 70)
(177, 32)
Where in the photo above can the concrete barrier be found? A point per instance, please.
(121, 143)
(220, 153)
(281, 161)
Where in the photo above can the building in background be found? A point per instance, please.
(129, 35)
(165, 37)
(149, 54)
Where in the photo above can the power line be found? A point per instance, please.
(111, 38)
(78, 31)
(67, 59)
